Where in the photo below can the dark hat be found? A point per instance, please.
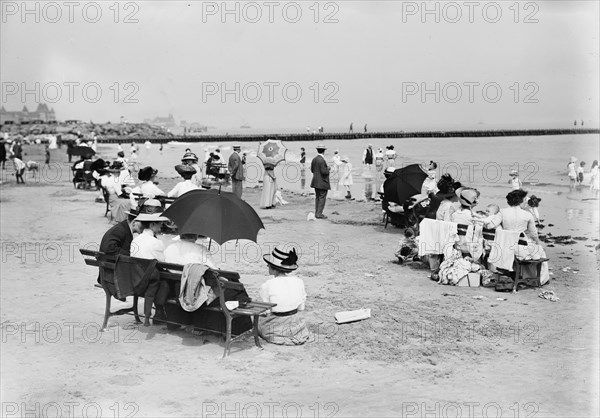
(185, 170)
(237, 148)
(121, 154)
(281, 260)
(116, 167)
(147, 173)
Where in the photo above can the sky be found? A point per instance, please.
(286, 66)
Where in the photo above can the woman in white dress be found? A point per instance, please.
(514, 218)
(595, 178)
(285, 324)
(267, 197)
(346, 179)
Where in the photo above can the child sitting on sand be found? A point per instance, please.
(408, 247)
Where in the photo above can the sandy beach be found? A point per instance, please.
(427, 349)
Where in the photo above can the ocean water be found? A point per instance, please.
(483, 163)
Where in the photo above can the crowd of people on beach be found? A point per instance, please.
(577, 175)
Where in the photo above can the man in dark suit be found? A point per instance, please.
(320, 181)
(237, 171)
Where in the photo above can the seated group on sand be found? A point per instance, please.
(138, 236)
(451, 256)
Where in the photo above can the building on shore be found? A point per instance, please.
(41, 115)
(168, 122)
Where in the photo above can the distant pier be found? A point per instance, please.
(353, 136)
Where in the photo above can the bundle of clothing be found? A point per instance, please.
(455, 267)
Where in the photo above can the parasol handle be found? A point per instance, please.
(209, 242)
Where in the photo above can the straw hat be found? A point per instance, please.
(189, 156)
(281, 260)
(150, 211)
(514, 172)
(467, 196)
(321, 146)
(237, 148)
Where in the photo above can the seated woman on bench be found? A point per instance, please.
(284, 325)
(146, 245)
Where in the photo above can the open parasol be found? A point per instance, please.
(271, 152)
(221, 216)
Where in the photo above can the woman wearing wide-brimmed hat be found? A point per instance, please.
(284, 325)
(467, 198)
(186, 172)
(190, 159)
(146, 245)
(148, 188)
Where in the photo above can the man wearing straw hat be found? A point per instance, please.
(237, 171)
(320, 181)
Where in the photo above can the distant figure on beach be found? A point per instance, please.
(346, 176)
(320, 129)
(237, 171)
(161, 148)
(2, 154)
(302, 157)
(308, 129)
(119, 148)
(19, 168)
(571, 172)
(17, 149)
(351, 128)
(189, 158)
(429, 185)
(267, 197)
(595, 178)
(47, 162)
(390, 156)
(365, 128)
(320, 181)
(379, 160)
(580, 173)
(368, 157)
(335, 171)
(148, 145)
(514, 181)
(575, 123)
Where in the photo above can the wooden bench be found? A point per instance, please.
(220, 282)
(490, 235)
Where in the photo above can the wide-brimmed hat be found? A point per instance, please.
(151, 217)
(321, 146)
(147, 173)
(281, 260)
(237, 148)
(185, 170)
(147, 207)
(514, 173)
(467, 196)
(345, 158)
(150, 211)
(189, 156)
(120, 154)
